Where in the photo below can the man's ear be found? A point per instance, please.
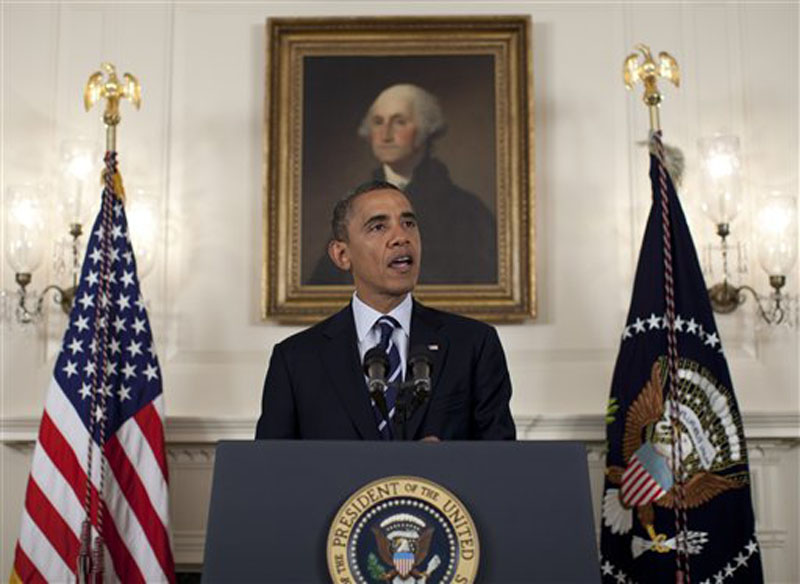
(339, 254)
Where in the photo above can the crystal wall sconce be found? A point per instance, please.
(775, 231)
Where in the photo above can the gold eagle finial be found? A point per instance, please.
(648, 71)
(108, 86)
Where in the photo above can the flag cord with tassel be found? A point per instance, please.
(91, 555)
(682, 575)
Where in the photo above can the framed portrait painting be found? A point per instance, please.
(441, 107)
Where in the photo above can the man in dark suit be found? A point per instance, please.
(315, 386)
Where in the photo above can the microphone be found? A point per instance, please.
(376, 366)
(421, 365)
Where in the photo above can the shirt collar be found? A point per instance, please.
(395, 178)
(365, 316)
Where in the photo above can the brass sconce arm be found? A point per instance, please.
(65, 297)
(726, 298)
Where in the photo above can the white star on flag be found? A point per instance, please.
(151, 373)
(85, 390)
(119, 324)
(124, 393)
(82, 323)
(135, 348)
(75, 346)
(138, 326)
(129, 370)
(70, 369)
(86, 301)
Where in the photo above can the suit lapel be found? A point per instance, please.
(425, 331)
(340, 355)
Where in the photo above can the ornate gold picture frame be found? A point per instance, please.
(472, 186)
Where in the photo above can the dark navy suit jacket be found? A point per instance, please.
(315, 387)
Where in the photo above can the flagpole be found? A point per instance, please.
(106, 85)
(648, 71)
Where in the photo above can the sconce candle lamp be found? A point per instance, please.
(28, 223)
(776, 230)
(26, 228)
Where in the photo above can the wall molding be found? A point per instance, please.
(588, 428)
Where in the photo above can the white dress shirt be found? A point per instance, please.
(368, 334)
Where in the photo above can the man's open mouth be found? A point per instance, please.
(402, 261)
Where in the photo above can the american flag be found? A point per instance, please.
(106, 384)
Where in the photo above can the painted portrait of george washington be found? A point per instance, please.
(423, 123)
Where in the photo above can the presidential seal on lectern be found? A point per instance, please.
(403, 530)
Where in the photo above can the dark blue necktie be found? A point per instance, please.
(386, 326)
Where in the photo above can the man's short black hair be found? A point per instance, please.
(343, 206)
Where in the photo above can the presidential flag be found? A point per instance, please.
(103, 419)
(676, 503)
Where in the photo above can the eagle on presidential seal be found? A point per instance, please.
(403, 542)
(711, 442)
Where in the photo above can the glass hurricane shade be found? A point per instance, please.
(143, 226)
(79, 179)
(720, 178)
(776, 226)
(25, 225)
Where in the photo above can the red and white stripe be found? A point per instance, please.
(135, 511)
(638, 487)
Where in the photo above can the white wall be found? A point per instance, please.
(198, 140)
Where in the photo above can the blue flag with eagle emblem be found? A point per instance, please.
(642, 536)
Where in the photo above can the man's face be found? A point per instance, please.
(393, 131)
(383, 250)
